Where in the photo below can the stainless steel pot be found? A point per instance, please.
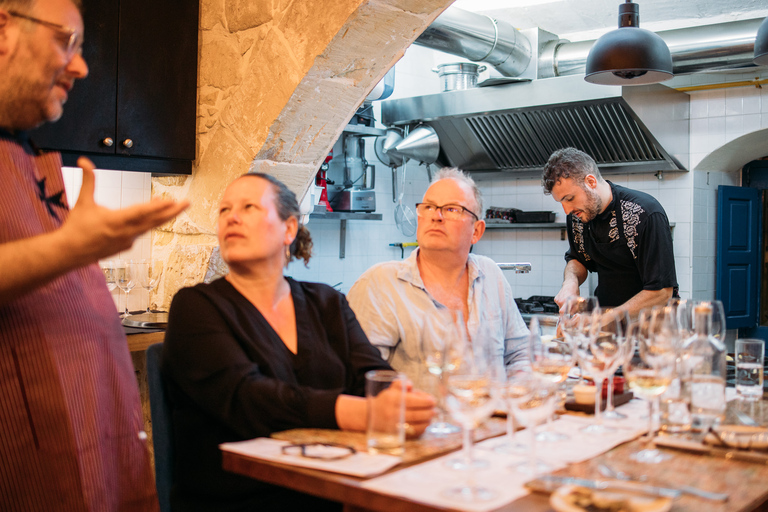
(458, 75)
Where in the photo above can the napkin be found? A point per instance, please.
(359, 464)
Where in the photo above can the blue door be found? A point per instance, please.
(738, 254)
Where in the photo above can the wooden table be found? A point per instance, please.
(745, 482)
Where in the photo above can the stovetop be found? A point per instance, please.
(537, 304)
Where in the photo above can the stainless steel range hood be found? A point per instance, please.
(516, 126)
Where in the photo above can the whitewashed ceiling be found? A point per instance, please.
(588, 19)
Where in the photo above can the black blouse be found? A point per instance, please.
(232, 378)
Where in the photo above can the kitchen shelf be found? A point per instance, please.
(343, 217)
(547, 225)
(361, 129)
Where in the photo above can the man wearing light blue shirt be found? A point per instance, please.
(392, 299)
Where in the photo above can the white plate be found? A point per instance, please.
(572, 498)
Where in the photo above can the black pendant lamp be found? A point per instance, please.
(629, 55)
(761, 44)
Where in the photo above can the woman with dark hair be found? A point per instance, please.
(256, 352)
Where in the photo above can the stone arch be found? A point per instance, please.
(735, 154)
(278, 80)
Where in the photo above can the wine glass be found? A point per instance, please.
(509, 395)
(573, 310)
(597, 346)
(469, 399)
(439, 350)
(148, 275)
(125, 280)
(108, 268)
(551, 360)
(649, 372)
(718, 328)
(625, 346)
(537, 398)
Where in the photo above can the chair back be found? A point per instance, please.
(162, 428)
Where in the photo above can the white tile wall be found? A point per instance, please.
(118, 189)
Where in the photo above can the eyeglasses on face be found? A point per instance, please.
(448, 211)
(320, 451)
(72, 37)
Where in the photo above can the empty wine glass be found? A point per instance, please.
(508, 395)
(649, 372)
(148, 274)
(571, 315)
(108, 268)
(439, 350)
(537, 397)
(625, 345)
(718, 329)
(470, 401)
(551, 360)
(597, 346)
(124, 280)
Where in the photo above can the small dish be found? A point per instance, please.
(743, 437)
(584, 394)
(572, 498)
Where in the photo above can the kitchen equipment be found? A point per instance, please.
(458, 75)
(404, 216)
(147, 321)
(358, 193)
(420, 144)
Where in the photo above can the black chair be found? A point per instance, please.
(162, 428)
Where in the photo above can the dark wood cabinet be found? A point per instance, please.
(136, 109)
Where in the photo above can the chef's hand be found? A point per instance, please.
(95, 232)
(569, 289)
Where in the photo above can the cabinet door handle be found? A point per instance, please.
(128, 143)
(108, 142)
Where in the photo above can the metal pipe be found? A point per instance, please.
(479, 38)
(519, 268)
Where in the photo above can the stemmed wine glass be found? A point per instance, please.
(470, 401)
(718, 329)
(537, 398)
(439, 349)
(509, 394)
(148, 274)
(108, 268)
(649, 372)
(551, 360)
(571, 316)
(124, 278)
(597, 346)
(625, 346)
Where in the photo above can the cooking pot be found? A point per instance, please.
(458, 75)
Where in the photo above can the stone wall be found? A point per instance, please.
(277, 82)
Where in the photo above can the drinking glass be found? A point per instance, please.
(108, 268)
(649, 372)
(571, 316)
(124, 280)
(551, 360)
(470, 401)
(538, 399)
(148, 274)
(597, 346)
(625, 346)
(509, 395)
(439, 349)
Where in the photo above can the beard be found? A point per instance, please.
(593, 206)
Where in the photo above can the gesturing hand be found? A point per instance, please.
(95, 232)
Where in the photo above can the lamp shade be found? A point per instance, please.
(629, 55)
(761, 44)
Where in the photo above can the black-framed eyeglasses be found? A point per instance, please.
(448, 211)
(72, 36)
(320, 451)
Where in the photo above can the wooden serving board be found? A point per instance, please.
(618, 399)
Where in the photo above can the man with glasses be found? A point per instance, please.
(391, 299)
(70, 418)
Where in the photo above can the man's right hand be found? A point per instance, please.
(94, 232)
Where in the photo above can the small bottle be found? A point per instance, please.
(704, 371)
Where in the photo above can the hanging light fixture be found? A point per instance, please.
(761, 44)
(629, 55)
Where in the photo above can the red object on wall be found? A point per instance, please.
(320, 181)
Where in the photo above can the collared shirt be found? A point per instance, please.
(391, 302)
